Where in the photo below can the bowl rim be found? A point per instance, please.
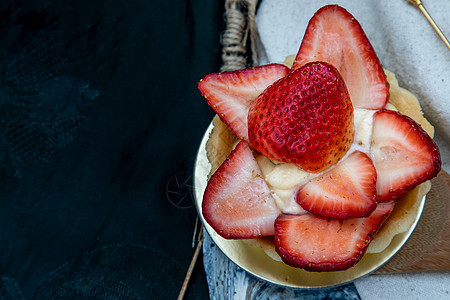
(246, 256)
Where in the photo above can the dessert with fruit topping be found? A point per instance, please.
(310, 158)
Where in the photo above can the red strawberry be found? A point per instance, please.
(322, 244)
(230, 94)
(404, 154)
(237, 202)
(305, 118)
(334, 36)
(346, 191)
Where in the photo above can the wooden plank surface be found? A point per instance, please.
(428, 248)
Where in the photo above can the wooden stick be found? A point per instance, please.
(421, 7)
(192, 265)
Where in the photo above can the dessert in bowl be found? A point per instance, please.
(311, 158)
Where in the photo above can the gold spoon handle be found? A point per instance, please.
(419, 5)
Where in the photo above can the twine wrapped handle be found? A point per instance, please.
(239, 38)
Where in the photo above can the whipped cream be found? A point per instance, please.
(285, 179)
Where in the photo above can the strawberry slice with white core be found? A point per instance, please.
(322, 244)
(334, 36)
(230, 94)
(237, 202)
(346, 191)
(404, 154)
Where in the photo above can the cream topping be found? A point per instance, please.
(285, 179)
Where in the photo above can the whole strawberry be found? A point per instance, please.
(305, 118)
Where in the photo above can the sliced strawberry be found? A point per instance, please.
(404, 154)
(334, 36)
(237, 202)
(305, 118)
(322, 244)
(346, 191)
(230, 94)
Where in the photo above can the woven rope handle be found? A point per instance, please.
(238, 40)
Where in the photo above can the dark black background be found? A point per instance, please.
(100, 123)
